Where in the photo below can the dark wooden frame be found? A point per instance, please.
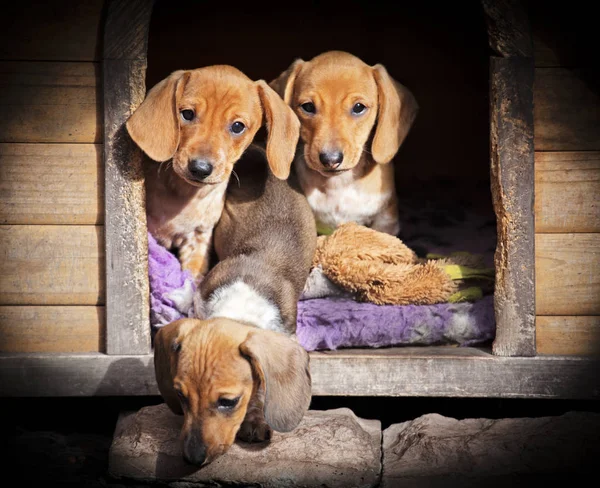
(512, 175)
(508, 371)
(127, 288)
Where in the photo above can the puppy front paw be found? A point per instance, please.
(254, 430)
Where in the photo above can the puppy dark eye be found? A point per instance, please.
(181, 396)
(309, 108)
(358, 109)
(227, 403)
(187, 114)
(237, 128)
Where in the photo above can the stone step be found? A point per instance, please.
(335, 448)
(433, 451)
(332, 448)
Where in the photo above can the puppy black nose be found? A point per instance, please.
(200, 168)
(331, 160)
(194, 450)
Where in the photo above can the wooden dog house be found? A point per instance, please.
(74, 289)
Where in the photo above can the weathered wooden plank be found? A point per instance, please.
(127, 315)
(51, 184)
(567, 188)
(567, 274)
(64, 329)
(512, 179)
(567, 111)
(61, 30)
(124, 68)
(126, 29)
(333, 374)
(573, 336)
(508, 27)
(51, 265)
(49, 102)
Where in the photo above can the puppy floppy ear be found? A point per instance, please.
(167, 345)
(154, 126)
(396, 114)
(284, 83)
(282, 367)
(283, 128)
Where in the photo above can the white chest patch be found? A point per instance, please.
(336, 206)
(239, 301)
(339, 199)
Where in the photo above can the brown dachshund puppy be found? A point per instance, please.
(239, 370)
(354, 117)
(201, 122)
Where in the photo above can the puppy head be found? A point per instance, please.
(206, 118)
(340, 100)
(209, 369)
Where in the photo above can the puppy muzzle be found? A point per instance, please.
(194, 449)
(200, 169)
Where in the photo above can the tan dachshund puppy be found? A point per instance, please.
(200, 122)
(354, 117)
(239, 371)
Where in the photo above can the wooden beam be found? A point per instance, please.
(509, 33)
(50, 102)
(70, 190)
(124, 67)
(512, 181)
(126, 29)
(567, 186)
(451, 372)
(567, 274)
(51, 265)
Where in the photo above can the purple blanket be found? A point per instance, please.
(330, 323)
(171, 288)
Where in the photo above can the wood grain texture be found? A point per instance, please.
(51, 184)
(573, 336)
(65, 329)
(51, 265)
(126, 29)
(567, 274)
(127, 289)
(50, 102)
(567, 191)
(508, 27)
(567, 111)
(61, 30)
(335, 373)
(512, 179)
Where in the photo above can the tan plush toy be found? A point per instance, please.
(372, 266)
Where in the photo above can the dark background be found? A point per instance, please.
(439, 52)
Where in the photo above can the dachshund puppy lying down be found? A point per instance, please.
(239, 370)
